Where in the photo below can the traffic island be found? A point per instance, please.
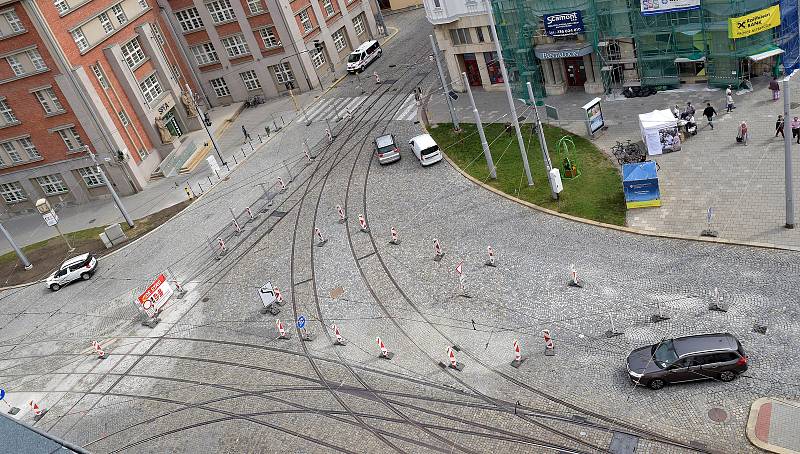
(595, 194)
(772, 425)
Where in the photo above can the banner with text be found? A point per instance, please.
(665, 6)
(563, 24)
(755, 22)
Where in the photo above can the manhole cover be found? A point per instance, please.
(337, 292)
(717, 414)
(205, 299)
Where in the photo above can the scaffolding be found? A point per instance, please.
(664, 49)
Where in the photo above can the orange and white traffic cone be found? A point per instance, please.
(517, 355)
(385, 354)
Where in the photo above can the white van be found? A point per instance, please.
(425, 149)
(358, 60)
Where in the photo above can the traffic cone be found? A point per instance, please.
(437, 250)
(385, 354)
(98, 349)
(517, 355)
(342, 216)
(362, 223)
(281, 330)
(490, 261)
(550, 349)
(339, 339)
(37, 412)
(322, 239)
(377, 77)
(395, 238)
(453, 363)
(573, 278)
(278, 295)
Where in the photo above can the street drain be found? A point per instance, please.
(205, 299)
(718, 414)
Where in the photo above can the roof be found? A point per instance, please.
(424, 141)
(18, 436)
(76, 259)
(384, 141)
(364, 46)
(639, 171)
(704, 343)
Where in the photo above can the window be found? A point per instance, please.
(328, 7)
(12, 192)
(142, 154)
(80, 39)
(269, 37)
(7, 113)
(250, 80)
(108, 27)
(283, 73)
(71, 138)
(117, 11)
(123, 118)
(132, 53)
(16, 66)
(205, 54)
(235, 45)
(317, 57)
(460, 36)
(13, 22)
(143, 4)
(479, 32)
(189, 19)
(437, 4)
(255, 6)
(358, 24)
(36, 59)
(61, 6)
(50, 103)
(30, 148)
(150, 88)
(101, 78)
(339, 40)
(305, 21)
(12, 152)
(220, 87)
(52, 184)
(493, 68)
(91, 177)
(221, 11)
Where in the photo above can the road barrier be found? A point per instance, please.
(549, 347)
(98, 350)
(362, 223)
(395, 238)
(342, 216)
(517, 355)
(339, 339)
(281, 330)
(385, 353)
(37, 411)
(573, 278)
(322, 239)
(452, 358)
(490, 261)
(437, 250)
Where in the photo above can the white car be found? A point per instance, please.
(365, 54)
(425, 149)
(80, 267)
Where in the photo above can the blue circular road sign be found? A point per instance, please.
(2, 394)
(301, 322)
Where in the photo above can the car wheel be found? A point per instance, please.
(727, 375)
(55, 287)
(656, 384)
(85, 276)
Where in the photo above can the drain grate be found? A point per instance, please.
(278, 214)
(718, 414)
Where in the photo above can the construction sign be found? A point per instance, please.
(156, 296)
(756, 22)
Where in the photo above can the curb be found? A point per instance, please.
(630, 230)
(752, 422)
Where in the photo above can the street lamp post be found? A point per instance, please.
(22, 258)
(444, 84)
(787, 159)
(205, 125)
(114, 195)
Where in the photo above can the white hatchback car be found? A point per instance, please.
(80, 267)
(425, 149)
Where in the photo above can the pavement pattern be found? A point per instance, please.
(215, 376)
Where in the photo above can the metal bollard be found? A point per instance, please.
(251, 146)
(209, 180)
(234, 159)
(201, 187)
(226, 166)
(260, 140)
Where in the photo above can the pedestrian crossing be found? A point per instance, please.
(334, 109)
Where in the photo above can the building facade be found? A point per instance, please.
(245, 48)
(602, 45)
(80, 76)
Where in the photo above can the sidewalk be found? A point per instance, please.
(743, 185)
(773, 425)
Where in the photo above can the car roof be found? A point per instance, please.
(704, 343)
(384, 141)
(364, 46)
(74, 260)
(424, 141)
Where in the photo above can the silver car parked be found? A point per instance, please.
(386, 149)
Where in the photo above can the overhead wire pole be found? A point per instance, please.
(486, 152)
(542, 141)
(22, 258)
(114, 195)
(787, 156)
(510, 97)
(203, 119)
(453, 117)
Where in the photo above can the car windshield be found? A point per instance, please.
(664, 354)
(386, 149)
(354, 58)
(430, 150)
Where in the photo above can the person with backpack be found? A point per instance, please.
(709, 113)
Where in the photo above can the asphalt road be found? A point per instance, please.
(214, 376)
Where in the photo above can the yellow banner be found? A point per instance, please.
(756, 22)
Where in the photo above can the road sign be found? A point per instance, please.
(301, 322)
(51, 218)
(267, 294)
(2, 394)
(459, 269)
(212, 163)
(156, 295)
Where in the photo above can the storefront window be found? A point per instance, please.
(493, 68)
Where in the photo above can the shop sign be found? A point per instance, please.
(757, 22)
(667, 6)
(562, 53)
(563, 24)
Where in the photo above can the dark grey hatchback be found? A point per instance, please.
(688, 358)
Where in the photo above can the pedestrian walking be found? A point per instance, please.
(729, 90)
(775, 87)
(795, 125)
(779, 126)
(709, 113)
(729, 102)
(246, 134)
(743, 134)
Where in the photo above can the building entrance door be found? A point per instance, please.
(172, 123)
(576, 73)
(472, 70)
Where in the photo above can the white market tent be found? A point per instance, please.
(659, 128)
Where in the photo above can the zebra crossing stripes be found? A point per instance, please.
(408, 111)
(330, 109)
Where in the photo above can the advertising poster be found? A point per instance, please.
(664, 6)
(640, 185)
(670, 139)
(594, 115)
(755, 22)
(563, 24)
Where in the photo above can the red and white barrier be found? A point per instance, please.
(322, 239)
(377, 77)
(238, 227)
(222, 247)
(38, 412)
(517, 352)
(329, 135)
(342, 216)
(278, 295)
(281, 329)
(573, 277)
(283, 185)
(249, 213)
(385, 353)
(98, 350)
(548, 342)
(437, 249)
(452, 358)
(395, 237)
(490, 261)
(338, 335)
(362, 223)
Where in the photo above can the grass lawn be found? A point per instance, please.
(596, 194)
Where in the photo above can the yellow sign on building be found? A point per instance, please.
(756, 22)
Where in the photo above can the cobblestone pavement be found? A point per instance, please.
(743, 185)
(214, 375)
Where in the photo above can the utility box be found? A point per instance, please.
(115, 234)
(555, 180)
(105, 240)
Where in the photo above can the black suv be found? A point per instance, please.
(687, 359)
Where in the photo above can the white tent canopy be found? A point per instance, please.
(659, 131)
